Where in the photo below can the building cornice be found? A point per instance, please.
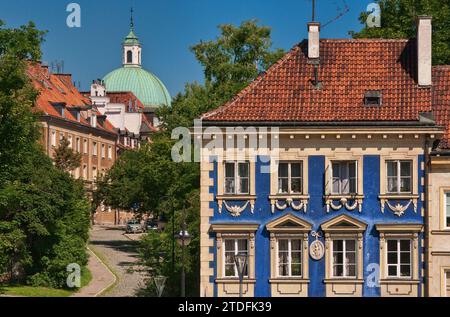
(78, 126)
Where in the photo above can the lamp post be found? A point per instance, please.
(240, 260)
(183, 239)
(173, 229)
(160, 283)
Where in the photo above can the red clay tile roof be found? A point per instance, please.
(58, 88)
(125, 98)
(348, 68)
(441, 101)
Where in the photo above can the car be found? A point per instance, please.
(151, 225)
(134, 226)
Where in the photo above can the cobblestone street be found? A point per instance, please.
(119, 251)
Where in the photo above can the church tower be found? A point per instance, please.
(132, 50)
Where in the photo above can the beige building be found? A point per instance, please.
(438, 220)
(65, 112)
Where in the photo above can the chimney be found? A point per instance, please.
(424, 50)
(313, 40)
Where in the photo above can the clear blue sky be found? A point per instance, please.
(167, 28)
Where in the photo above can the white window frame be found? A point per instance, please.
(53, 138)
(344, 260)
(398, 264)
(94, 173)
(289, 178)
(70, 139)
(237, 178)
(78, 144)
(85, 172)
(446, 214)
(103, 150)
(85, 146)
(300, 251)
(346, 163)
(110, 152)
(236, 252)
(399, 177)
(446, 284)
(94, 148)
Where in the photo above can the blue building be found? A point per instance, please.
(316, 173)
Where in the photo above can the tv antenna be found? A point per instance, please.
(341, 12)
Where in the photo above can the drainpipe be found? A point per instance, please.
(427, 162)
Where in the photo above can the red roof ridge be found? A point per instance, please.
(254, 83)
(365, 40)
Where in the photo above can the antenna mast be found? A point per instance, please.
(313, 10)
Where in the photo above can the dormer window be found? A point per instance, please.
(372, 98)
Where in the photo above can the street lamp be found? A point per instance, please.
(160, 283)
(183, 239)
(168, 198)
(240, 260)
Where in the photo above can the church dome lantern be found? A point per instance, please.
(132, 77)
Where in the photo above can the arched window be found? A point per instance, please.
(129, 57)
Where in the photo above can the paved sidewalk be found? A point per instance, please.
(102, 278)
(120, 251)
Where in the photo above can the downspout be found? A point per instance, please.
(427, 159)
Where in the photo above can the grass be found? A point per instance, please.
(30, 291)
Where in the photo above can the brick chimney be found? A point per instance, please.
(424, 50)
(313, 40)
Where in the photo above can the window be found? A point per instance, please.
(129, 57)
(447, 210)
(290, 178)
(85, 146)
(110, 152)
(85, 172)
(53, 140)
(344, 258)
(289, 257)
(78, 145)
(103, 151)
(344, 177)
(232, 248)
(372, 98)
(447, 282)
(70, 142)
(94, 173)
(399, 177)
(237, 178)
(399, 258)
(94, 148)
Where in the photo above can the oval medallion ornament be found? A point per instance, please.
(316, 249)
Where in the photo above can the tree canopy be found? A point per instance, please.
(44, 215)
(66, 159)
(398, 20)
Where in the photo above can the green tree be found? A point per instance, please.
(230, 63)
(141, 178)
(398, 20)
(66, 159)
(44, 215)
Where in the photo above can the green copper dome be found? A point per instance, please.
(146, 86)
(132, 77)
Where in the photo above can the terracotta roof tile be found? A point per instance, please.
(441, 101)
(58, 88)
(348, 68)
(126, 98)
